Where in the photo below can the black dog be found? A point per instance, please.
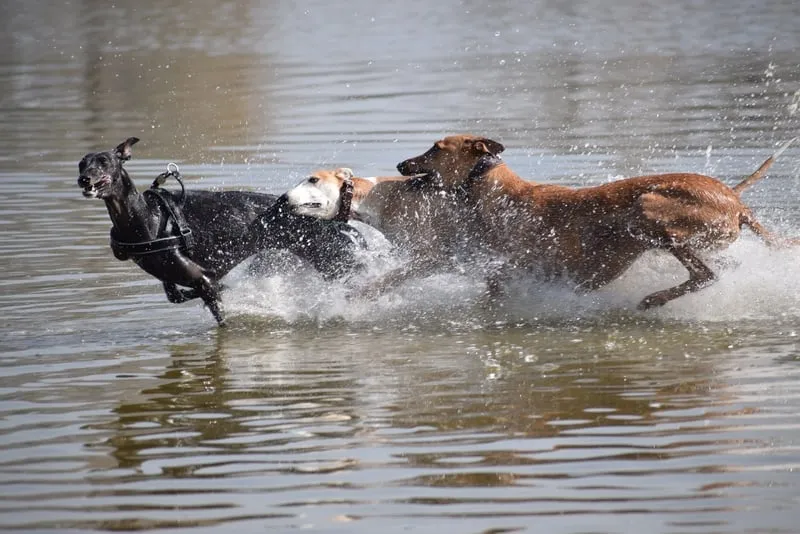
(194, 238)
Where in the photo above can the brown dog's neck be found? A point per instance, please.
(361, 188)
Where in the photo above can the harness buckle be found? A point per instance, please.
(174, 171)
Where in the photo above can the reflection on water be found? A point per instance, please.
(495, 434)
(421, 410)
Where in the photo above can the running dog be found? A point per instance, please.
(319, 195)
(594, 234)
(193, 238)
(415, 214)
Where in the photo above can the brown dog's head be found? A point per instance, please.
(452, 158)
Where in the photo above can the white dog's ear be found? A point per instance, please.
(343, 173)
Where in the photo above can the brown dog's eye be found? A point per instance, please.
(313, 180)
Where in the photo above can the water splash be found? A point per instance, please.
(755, 284)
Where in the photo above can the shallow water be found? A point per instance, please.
(420, 410)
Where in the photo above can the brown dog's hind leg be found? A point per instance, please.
(700, 276)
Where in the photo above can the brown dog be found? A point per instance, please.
(592, 235)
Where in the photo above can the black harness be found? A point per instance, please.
(170, 211)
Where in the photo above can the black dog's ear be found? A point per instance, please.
(488, 146)
(123, 150)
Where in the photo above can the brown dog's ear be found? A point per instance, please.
(343, 173)
(123, 150)
(488, 146)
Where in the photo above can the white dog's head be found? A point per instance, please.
(319, 195)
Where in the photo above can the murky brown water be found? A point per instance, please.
(420, 411)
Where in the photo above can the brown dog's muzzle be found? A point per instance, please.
(422, 164)
(414, 166)
(407, 167)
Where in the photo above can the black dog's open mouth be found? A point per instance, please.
(92, 190)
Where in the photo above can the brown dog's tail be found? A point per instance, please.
(761, 171)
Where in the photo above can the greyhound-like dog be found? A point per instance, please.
(592, 235)
(192, 239)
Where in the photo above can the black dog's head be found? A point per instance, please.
(100, 174)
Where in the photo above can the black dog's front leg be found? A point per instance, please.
(177, 295)
(209, 292)
(201, 282)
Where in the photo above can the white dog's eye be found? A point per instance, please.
(313, 180)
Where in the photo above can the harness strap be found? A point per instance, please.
(125, 251)
(184, 240)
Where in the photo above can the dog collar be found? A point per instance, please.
(345, 201)
(485, 163)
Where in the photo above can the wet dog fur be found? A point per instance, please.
(591, 235)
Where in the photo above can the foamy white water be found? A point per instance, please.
(754, 282)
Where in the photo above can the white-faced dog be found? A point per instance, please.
(320, 195)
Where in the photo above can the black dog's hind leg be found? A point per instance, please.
(177, 295)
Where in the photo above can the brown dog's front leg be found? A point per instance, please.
(700, 276)
(496, 280)
(395, 277)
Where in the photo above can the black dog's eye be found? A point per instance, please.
(102, 160)
(313, 180)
